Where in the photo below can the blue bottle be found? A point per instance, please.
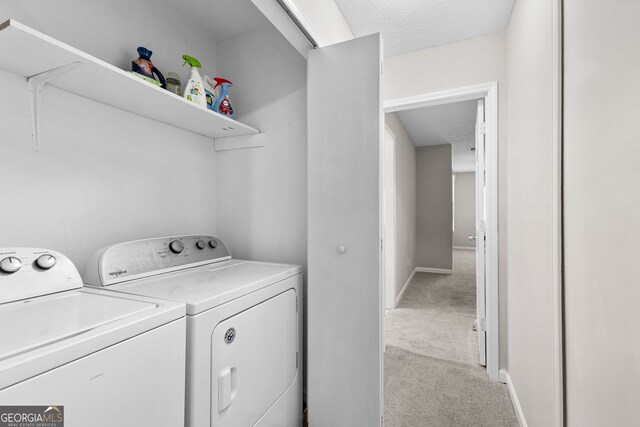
(145, 67)
(222, 104)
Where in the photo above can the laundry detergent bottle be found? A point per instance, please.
(210, 93)
(194, 89)
(223, 104)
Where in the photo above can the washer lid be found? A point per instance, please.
(43, 333)
(41, 321)
(205, 287)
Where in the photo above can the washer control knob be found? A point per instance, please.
(10, 265)
(200, 244)
(176, 246)
(213, 243)
(46, 261)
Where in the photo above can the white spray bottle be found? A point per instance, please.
(194, 89)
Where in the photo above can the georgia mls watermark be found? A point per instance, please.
(31, 416)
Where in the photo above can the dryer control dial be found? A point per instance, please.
(213, 243)
(200, 244)
(10, 264)
(46, 261)
(176, 246)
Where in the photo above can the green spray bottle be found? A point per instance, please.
(194, 89)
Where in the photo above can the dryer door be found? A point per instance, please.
(254, 360)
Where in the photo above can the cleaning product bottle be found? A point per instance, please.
(210, 92)
(194, 89)
(144, 68)
(222, 104)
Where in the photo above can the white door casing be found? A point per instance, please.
(480, 235)
(389, 217)
(488, 92)
(345, 297)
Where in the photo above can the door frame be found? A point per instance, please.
(389, 245)
(480, 229)
(488, 91)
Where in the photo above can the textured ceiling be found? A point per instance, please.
(408, 25)
(445, 124)
(442, 124)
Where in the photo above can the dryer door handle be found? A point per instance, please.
(227, 388)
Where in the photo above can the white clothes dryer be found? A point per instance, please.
(244, 325)
(85, 357)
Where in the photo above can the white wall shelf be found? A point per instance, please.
(29, 53)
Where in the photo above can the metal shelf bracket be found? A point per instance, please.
(35, 85)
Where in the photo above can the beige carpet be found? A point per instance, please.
(432, 375)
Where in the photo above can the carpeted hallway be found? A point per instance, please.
(432, 375)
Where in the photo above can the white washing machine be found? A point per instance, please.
(101, 359)
(244, 325)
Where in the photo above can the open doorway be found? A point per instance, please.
(445, 233)
(439, 221)
(485, 129)
(441, 301)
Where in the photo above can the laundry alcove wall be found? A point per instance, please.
(104, 175)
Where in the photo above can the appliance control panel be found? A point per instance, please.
(31, 272)
(143, 258)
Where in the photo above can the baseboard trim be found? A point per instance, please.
(465, 248)
(514, 399)
(404, 288)
(433, 270)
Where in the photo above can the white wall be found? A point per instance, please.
(464, 209)
(112, 30)
(530, 210)
(405, 202)
(262, 192)
(601, 205)
(102, 175)
(434, 207)
(474, 61)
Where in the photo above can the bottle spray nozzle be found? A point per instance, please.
(219, 81)
(191, 61)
